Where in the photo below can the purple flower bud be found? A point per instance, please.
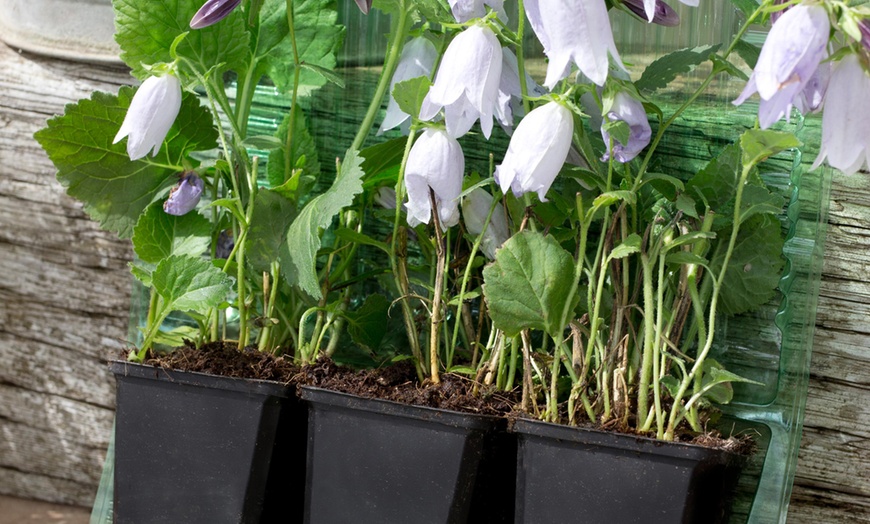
(212, 12)
(185, 195)
(663, 14)
(630, 111)
(364, 5)
(864, 27)
(775, 15)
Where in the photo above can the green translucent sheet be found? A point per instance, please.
(773, 345)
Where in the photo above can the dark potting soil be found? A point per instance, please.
(397, 383)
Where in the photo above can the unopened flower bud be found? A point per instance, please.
(212, 12)
(184, 197)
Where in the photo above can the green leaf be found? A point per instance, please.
(298, 262)
(263, 142)
(716, 183)
(618, 130)
(145, 30)
(367, 325)
(188, 283)
(273, 214)
(748, 52)
(758, 200)
(686, 204)
(302, 145)
(628, 247)
(409, 94)
(142, 272)
(746, 6)
(672, 180)
(724, 66)
(755, 268)
(328, 74)
(689, 238)
(349, 235)
(382, 158)
(158, 234)
(318, 38)
(114, 189)
(528, 284)
(685, 258)
(663, 70)
(759, 144)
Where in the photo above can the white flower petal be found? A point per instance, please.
(845, 125)
(435, 161)
(150, 116)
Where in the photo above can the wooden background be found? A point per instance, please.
(64, 301)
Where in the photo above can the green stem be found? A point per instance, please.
(394, 51)
(297, 71)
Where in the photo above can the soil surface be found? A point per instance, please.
(397, 383)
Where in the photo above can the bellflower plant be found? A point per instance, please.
(587, 272)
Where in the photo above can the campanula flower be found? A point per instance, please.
(630, 111)
(385, 197)
(465, 10)
(790, 56)
(435, 161)
(475, 209)
(466, 84)
(510, 93)
(418, 58)
(150, 115)
(537, 151)
(845, 126)
(184, 196)
(364, 5)
(212, 12)
(577, 31)
(654, 11)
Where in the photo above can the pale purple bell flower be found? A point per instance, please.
(630, 111)
(435, 161)
(654, 11)
(465, 10)
(467, 82)
(364, 5)
(812, 97)
(510, 93)
(537, 151)
(795, 46)
(150, 116)
(417, 59)
(577, 31)
(212, 12)
(185, 195)
(845, 125)
(385, 197)
(475, 209)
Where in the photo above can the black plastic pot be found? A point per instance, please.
(194, 448)
(375, 461)
(568, 474)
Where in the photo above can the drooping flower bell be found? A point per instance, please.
(655, 11)
(510, 93)
(791, 54)
(575, 31)
(475, 209)
(466, 84)
(537, 151)
(212, 12)
(150, 115)
(418, 58)
(845, 126)
(364, 5)
(435, 161)
(465, 10)
(185, 195)
(630, 111)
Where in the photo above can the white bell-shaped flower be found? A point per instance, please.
(465, 10)
(418, 58)
(575, 31)
(845, 125)
(466, 84)
(150, 115)
(795, 46)
(435, 161)
(475, 209)
(537, 151)
(510, 93)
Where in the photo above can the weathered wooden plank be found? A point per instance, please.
(64, 296)
(824, 505)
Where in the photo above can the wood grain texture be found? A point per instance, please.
(64, 301)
